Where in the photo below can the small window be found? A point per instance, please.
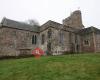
(43, 39)
(34, 39)
(86, 42)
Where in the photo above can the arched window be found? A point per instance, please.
(34, 39)
(49, 33)
(86, 42)
(43, 39)
(61, 37)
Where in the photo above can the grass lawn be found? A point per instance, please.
(65, 67)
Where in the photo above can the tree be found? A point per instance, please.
(32, 22)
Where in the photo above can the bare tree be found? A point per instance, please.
(32, 22)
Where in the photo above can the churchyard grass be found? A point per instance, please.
(64, 67)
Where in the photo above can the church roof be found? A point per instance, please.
(89, 30)
(50, 24)
(22, 26)
(56, 25)
(18, 25)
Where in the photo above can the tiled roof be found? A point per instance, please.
(56, 25)
(50, 24)
(18, 25)
(88, 30)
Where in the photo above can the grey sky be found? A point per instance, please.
(56, 10)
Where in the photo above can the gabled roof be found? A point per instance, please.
(52, 23)
(18, 25)
(49, 24)
(89, 30)
(56, 25)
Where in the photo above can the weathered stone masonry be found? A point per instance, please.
(17, 38)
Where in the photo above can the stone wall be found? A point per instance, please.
(14, 41)
(57, 47)
(87, 43)
(97, 42)
(43, 46)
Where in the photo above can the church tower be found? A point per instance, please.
(74, 20)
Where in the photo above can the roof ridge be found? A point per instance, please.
(15, 21)
(2, 21)
(19, 25)
(55, 22)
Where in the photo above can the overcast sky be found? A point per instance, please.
(56, 10)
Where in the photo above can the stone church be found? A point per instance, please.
(17, 38)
